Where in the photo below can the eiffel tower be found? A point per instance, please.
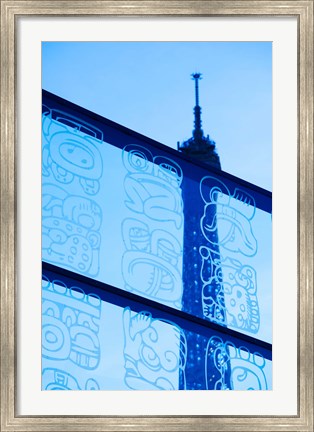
(200, 147)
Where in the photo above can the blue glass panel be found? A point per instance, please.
(72, 215)
(90, 344)
(122, 209)
(236, 259)
(130, 234)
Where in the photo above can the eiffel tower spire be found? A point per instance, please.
(197, 133)
(199, 146)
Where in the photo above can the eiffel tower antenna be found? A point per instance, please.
(199, 146)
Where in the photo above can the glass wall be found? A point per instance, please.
(156, 269)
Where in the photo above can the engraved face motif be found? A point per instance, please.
(70, 154)
(229, 215)
(235, 231)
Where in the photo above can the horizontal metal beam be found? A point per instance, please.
(119, 136)
(122, 298)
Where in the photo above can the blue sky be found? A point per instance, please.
(147, 87)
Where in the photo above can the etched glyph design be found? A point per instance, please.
(71, 169)
(229, 293)
(245, 370)
(71, 151)
(230, 214)
(152, 185)
(58, 379)
(70, 230)
(70, 325)
(152, 261)
(153, 258)
(154, 352)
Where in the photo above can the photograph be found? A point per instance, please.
(157, 216)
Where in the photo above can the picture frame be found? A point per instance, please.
(10, 10)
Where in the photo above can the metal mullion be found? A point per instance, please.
(123, 298)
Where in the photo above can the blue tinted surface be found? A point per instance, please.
(93, 345)
(81, 351)
(121, 210)
(71, 347)
(153, 229)
(236, 259)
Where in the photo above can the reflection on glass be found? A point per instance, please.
(117, 215)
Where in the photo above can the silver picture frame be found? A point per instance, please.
(10, 11)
